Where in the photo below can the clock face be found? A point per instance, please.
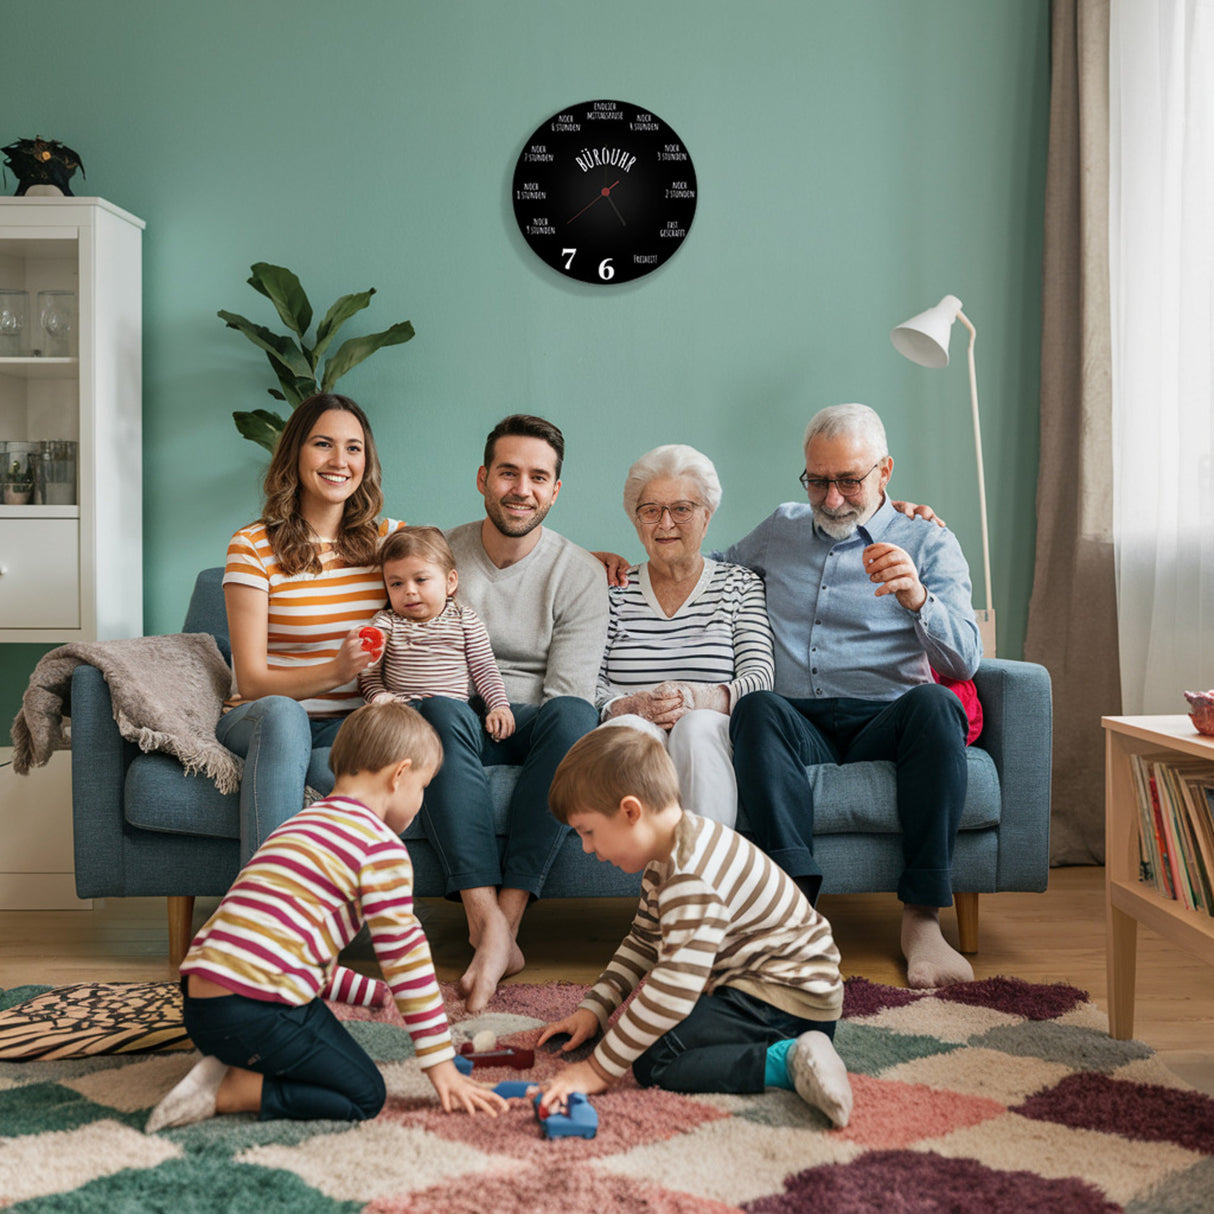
(604, 192)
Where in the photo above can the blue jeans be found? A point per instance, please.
(457, 812)
(283, 749)
(721, 1045)
(923, 731)
(312, 1067)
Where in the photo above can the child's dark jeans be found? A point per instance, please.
(721, 1045)
(313, 1068)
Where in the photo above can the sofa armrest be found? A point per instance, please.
(1017, 732)
(100, 757)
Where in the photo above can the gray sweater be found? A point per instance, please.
(546, 614)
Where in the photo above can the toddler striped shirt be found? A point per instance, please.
(435, 658)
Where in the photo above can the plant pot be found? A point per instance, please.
(17, 497)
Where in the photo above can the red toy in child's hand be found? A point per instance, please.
(372, 638)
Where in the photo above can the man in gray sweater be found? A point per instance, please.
(544, 602)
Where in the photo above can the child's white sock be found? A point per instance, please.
(819, 1076)
(193, 1099)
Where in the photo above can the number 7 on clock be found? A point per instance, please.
(568, 254)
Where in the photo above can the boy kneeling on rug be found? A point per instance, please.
(255, 974)
(743, 989)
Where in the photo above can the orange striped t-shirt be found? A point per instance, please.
(310, 613)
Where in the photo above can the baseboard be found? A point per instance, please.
(40, 891)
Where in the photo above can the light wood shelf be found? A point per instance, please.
(1128, 900)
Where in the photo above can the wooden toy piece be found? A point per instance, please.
(463, 1065)
(372, 639)
(579, 1120)
(506, 1055)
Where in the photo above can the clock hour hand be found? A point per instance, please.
(605, 192)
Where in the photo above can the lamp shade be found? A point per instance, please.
(924, 338)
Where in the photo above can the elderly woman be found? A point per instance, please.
(687, 636)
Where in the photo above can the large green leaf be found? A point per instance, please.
(281, 349)
(337, 316)
(351, 353)
(285, 292)
(261, 426)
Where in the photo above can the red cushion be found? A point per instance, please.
(968, 694)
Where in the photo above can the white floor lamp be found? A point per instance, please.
(924, 340)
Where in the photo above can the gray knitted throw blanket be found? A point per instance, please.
(167, 691)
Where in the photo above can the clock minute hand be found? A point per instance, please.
(605, 192)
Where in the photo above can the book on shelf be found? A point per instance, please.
(1175, 797)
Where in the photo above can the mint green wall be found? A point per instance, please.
(855, 161)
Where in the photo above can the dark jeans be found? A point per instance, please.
(313, 1068)
(457, 813)
(721, 1045)
(922, 732)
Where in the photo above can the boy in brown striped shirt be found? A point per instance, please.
(743, 988)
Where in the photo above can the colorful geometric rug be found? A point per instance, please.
(988, 1097)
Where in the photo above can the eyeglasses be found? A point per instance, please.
(847, 485)
(681, 513)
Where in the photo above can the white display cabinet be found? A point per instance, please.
(71, 558)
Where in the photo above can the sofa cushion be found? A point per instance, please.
(158, 795)
(861, 798)
(857, 798)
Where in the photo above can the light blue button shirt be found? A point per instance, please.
(833, 635)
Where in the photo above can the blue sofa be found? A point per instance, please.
(143, 827)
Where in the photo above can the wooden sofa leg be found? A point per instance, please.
(181, 919)
(967, 921)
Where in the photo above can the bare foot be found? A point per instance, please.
(930, 960)
(497, 956)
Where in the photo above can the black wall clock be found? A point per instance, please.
(604, 192)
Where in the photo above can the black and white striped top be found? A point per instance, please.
(719, 635)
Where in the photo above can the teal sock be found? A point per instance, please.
(776, 1073)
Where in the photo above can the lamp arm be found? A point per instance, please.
(986, 543)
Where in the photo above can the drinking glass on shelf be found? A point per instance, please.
(57, 318)
(58, 472)
(14, 314)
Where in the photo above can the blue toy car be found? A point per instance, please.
(579, 1120)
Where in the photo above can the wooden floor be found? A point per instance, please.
(1057, 936)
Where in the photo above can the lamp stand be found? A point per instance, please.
(986, 619)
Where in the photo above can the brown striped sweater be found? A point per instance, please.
(716, 912)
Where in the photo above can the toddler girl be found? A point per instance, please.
(432, 644)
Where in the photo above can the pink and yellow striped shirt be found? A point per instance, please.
(304, 895)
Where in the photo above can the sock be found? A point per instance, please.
(776, 1074)
(819, 1076)
(930, 960)
(193, 1099)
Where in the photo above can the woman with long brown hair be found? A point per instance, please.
(298, 585)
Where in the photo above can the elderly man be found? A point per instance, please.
(864, 603)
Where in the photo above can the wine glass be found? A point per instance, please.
(14, 309)
(57, 315)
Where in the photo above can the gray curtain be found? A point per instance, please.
(1072, 625)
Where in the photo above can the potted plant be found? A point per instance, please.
(18, 484)
(293, 360)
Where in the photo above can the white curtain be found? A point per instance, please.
(1161, 264)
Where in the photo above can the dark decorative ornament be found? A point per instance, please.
(42, 162)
